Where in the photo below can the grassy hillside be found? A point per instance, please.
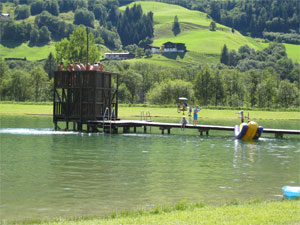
(203, 45)
(31, 53)
(195, 29)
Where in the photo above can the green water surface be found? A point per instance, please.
(46, 173)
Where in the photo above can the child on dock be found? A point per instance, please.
(183, 123)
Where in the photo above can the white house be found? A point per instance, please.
(118, 55)
(154, 49)
(173, 47)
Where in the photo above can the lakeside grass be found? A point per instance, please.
(134, 112)
(251, 212)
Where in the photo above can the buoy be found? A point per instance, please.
(291, 192)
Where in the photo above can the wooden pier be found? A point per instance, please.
(90, 98)
(111, 126)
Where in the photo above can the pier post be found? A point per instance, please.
(278, 135)
(162, 130)
(79, 126)
(74, 126)
(67, 125)
(169, 130)
(201, 130)
(134, 129)
(145, 129)
(126, 129)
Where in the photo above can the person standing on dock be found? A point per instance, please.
(242, 116)
(196, 110)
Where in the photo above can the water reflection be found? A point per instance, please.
(245, 152)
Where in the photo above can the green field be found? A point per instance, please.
(135, 112)
(31, 53)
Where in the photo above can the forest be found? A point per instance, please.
(243, 78)
(108, 24)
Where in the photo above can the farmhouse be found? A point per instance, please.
(118, 55)
(154, 49)
(173, 47)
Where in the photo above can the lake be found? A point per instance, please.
(46, 173)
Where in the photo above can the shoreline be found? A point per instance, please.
(235, 212)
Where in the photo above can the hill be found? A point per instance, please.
(202, 44)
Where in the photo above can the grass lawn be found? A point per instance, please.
(135, 112)
(281, 212)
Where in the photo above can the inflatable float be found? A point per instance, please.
(291, 192)
(248, 131)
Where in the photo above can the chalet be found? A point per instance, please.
(154, 49)
(173, 47)
(118, 55)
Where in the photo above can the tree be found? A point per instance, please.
(176, 26)
(19, 86)
(203, 85)
(168, 91)
(75, 49)
(218, 88)
(44, 35)
(139, 52)
(212, 26)
(38, 78)
(50, 65)
(133, 83)
(51, 6)
(148, 53)
(287, 94)
(36, 7)
(22, 12)
(85, 17)
(224, 55)
(3, 67)
(34, 36)
(100, 13)
(113, 15)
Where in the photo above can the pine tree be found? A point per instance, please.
(50, 65)
(176, 26)
(224, 55)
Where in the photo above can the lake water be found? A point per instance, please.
(47, 173)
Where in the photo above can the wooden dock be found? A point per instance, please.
(113, 125)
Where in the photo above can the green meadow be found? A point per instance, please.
(32, 53)
(134, 112)
(203, 45)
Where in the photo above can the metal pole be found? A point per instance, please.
(87, 46)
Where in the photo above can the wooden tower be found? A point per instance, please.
(83, 97)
